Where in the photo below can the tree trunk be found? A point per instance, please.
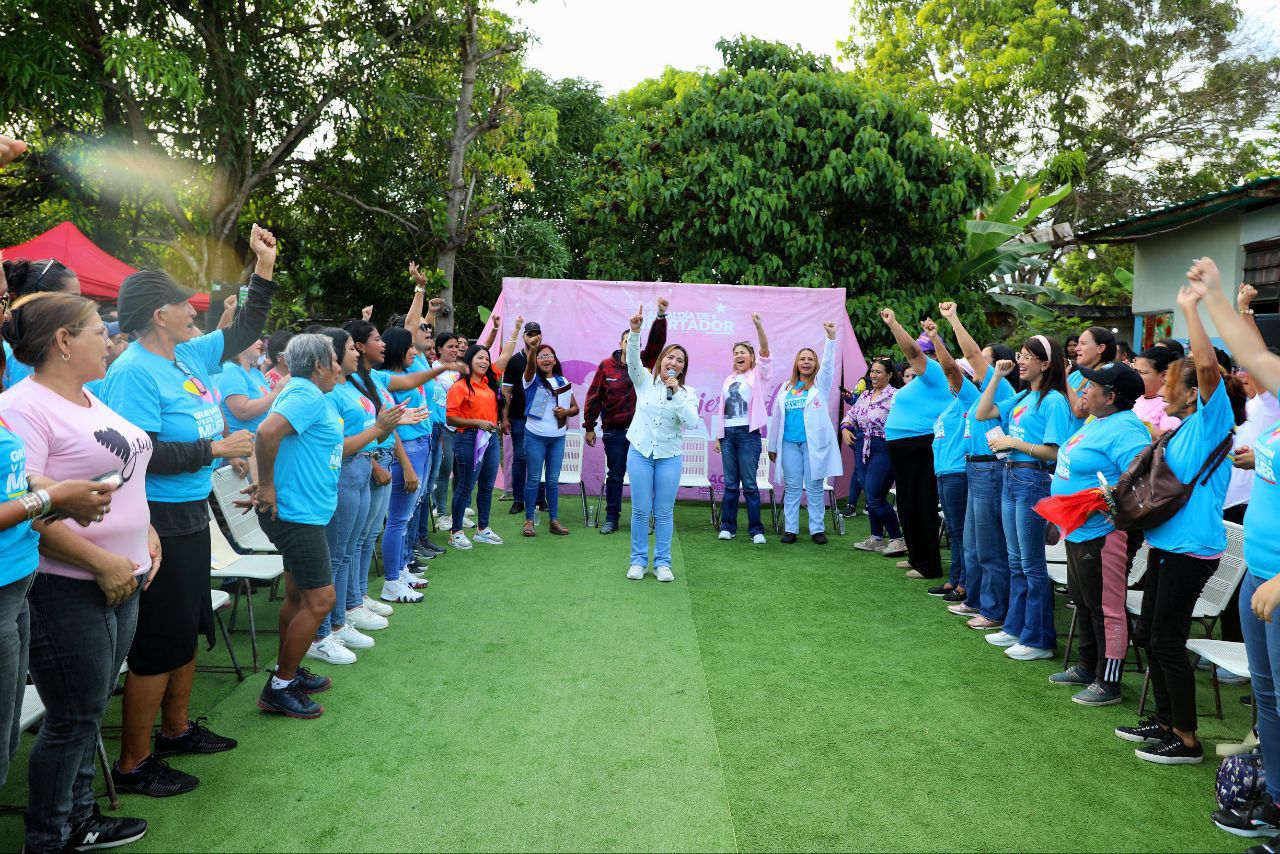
(462, 134)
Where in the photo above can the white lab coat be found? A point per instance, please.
(820, 432)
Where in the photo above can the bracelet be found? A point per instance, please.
(1245, 311)
(662, 315)
(419, 290)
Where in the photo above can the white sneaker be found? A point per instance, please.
(380, 608)
(470, 511)
(363, 618)
(725, 535)
(487, 536)
(663, 573)
(1022, 652)
(413, 580)
(468, 522)
(1001, 638)
(758, 539)
(636, 572)
(460, 541)
(352, 638)
(445, 523)
(870, 544)
(893, 548)
(330, 652)
(398, 591)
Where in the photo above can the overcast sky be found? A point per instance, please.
(618, 43)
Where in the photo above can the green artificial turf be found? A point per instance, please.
(772, 698)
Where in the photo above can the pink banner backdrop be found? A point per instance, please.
(584, 321)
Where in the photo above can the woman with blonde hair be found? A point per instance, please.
(738, 433)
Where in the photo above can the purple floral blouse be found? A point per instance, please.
(869, 415)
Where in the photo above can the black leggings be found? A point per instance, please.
(912, 460)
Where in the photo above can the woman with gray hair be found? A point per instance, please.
(299, 460)
(162, 384)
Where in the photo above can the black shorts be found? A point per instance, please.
(304, 549)
(175, 610)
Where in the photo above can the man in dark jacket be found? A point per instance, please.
(612, 399)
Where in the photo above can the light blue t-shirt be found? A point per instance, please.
(975, 429)
(176, 401)
(948, 431)
(1106, 445)
(434, 393)
(918, 404)
(1077, 382)
(95, 386)
(416, 399)
(251, 383)
(310, 459)
(355, 410)
(1196, 529)
(14, 371)
(1261, 545)
(793, 404)
(19, 544)
(1041, 422)
(385, 399)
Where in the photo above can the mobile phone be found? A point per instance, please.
(111, 478)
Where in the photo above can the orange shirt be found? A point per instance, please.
(478, 402)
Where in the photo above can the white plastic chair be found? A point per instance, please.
(571, 469)
(695, 471)
(1228, 655)
(220, 599)
(1059, 571)
(763, 483)
(33, 714)
(225, 563)
(246, 536)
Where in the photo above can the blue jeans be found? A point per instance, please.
(856, 486)
(520, 462)
(374, 521)
(400, 508)
(541, 453)
(342, 534)
(986, 557)
(800, 480)
(740, 453)
(419, 527)
(78, 643)
(15, 637)
(654, 484)
(877, 479)
(444, 471)
(1262, 644)
(953, 492)
(1030, 616)
(616, 447)
(471, 476)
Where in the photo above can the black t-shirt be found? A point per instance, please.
(513, 377)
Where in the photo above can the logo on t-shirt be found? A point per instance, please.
(193, 386)
(113, 441)
(367, 404)
(1018, 412)
(1264, 456)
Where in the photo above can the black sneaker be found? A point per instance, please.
(153, 777)
(954, 595)
(1148, 731)
(819, 538)
(197, 739)
(788, 538)
(608, 527)
(428, 546)
(849, 511)
(1257, 818)
(515, 508)
(290, 701)
(939, 590)
(311, 682)
(541, 507)
(423, 557)
(101, 831)
(1171, 751)
(1271, 846)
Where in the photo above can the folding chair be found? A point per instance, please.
(31, 716)
(1058, 570)
(695, 471)
(1215, 596)
(243, 531)
(763, 483)
(1228, 655)
(246, 569)
(829, 499)
(571, 470)
(221, 599)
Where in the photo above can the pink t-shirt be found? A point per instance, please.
(69, 442)
(1151, 411)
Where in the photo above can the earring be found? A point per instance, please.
(66, 357)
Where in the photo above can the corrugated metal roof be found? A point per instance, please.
(1257, 193)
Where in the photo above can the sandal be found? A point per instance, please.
(558, 529)
(528, 529)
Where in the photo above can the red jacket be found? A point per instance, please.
(611, 394)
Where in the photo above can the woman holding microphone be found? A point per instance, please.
(665, 408)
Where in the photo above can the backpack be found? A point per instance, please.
(1241, 779)
(1148, 493)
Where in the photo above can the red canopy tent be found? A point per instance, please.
(100, 273)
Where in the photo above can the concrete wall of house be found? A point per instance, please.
(1160, 262)
(1262, 224)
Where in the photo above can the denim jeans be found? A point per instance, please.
(367, 541)
(520, 465)
(471, 476)
(654, 484)
(77, 646)
(800, 480)
(986, 557)
(342, 534)
(877, 479)
(740, 454)
(419, 527)
(1262, 644)
(856, 486)
(15, 636)
(1030, 615)
(400, 508)
(444, 471)
(953, 492)
(616, 447)
(541, 453)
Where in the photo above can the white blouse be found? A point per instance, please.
(657, 430)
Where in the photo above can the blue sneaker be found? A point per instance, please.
(291, 701)
(1097, 694)
(1073, 675)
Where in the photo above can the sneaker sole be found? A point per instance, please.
(1077, 686)
(329, 660)
(276, 710)
(894, 553)
(1265, 830)
(135, 790)
(1002, 644)
(489, 542)
(1030, 657)
(1168, 760)
(1095, 704)
(987, 628)
(1135, 739)
(404, 601)
(114, 843)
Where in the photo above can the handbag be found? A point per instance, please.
(1148, 493)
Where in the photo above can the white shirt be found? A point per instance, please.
(445, 381)
(737, 401)
(541, 420)
(657, 431)
(1261, 412)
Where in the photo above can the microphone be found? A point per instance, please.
(670, 373)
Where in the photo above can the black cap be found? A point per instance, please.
(143, 292)
(1119, 377)
(532, 328)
